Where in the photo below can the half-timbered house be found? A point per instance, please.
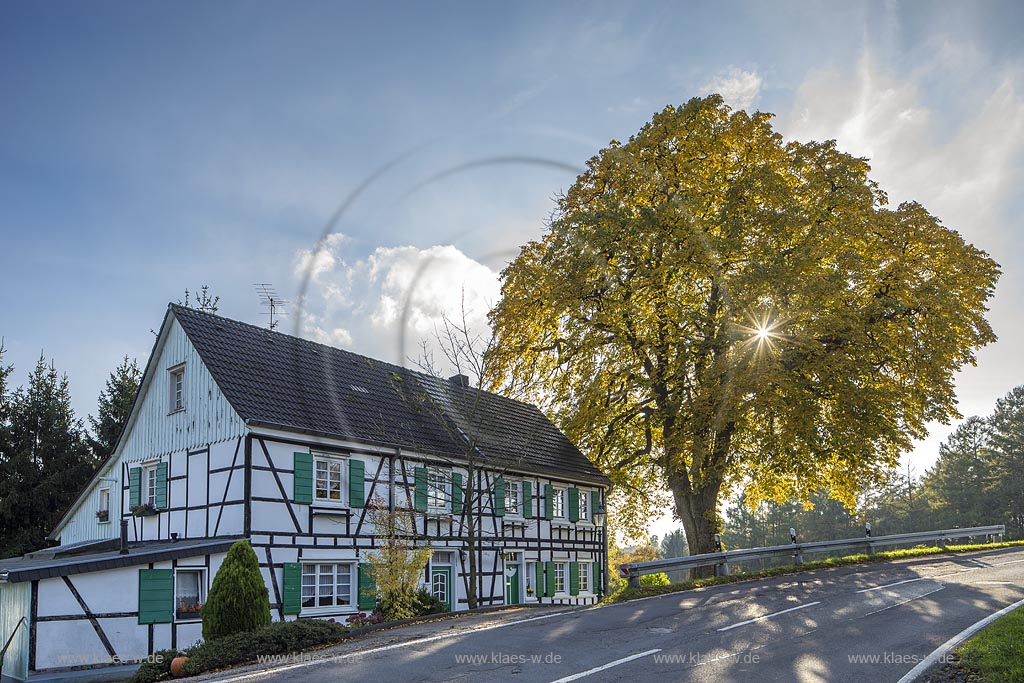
(242, 432)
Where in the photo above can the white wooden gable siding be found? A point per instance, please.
(154, 433)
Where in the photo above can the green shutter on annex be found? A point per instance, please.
(595, 503)
(457, 493)
(356, 483)
(161, 486)
(499, 497)
(134, 487)
(156, 596)
(420, 503)
(302, 480)
(574, 504)
(574, 578)
(549, 579)
(291, 592)
(527, 500)
(539, 584)
(595, 578)
(367, 587)
(549, 502)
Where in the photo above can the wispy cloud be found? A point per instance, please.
(740, 88)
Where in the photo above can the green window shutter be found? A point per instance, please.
(291, 593)
(161, 486)
(134, 486)
(574, 578)
(549, 576)
(421, 489)
(499, 497)
(367, 587)
(302, 481)
(595, 503)
(457, 493)
(574, 504)
(595, 578)
(549, 501)
(527, 500)
(539, 583)
(356, 483)
(156, 596)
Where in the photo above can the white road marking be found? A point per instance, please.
(363, 653)
(903, 602)
(890, 585)
(769, 616)
(996, 583)
(953, 642)
(1000, 564)
(609, 665)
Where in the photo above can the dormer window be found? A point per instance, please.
(177, 388)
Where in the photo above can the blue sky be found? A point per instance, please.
(150, 147)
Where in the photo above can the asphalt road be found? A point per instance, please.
(870, 623)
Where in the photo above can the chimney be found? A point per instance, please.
(124, 536)
(460, 380)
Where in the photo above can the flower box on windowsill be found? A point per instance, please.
(144, 510)
(102, 516)
(189, 612)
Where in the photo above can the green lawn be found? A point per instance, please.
(627, 593)
(996, 653)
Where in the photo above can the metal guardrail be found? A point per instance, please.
(633, 571)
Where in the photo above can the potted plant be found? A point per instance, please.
(103, 515)
(144, 510)
(190, 610)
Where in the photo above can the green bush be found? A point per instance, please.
(238, 599)
(655, 579)
(426, 602)
(157, 667)
(279, 638)
(397, 604)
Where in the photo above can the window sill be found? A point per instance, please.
(326, 611)
(330, 509)
(103, 521)
(438, 514)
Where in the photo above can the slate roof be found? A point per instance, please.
(47, 564)
(277, 380)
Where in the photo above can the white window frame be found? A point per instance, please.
(584, 569)
(558, 503)
(439, 482)
(149, 484)
(584, 505)
(330, 460)
(100, 506)
(334, 607)
(561, 575)
(514, 489)
(201, 571)
(176, 388)
(529, 579)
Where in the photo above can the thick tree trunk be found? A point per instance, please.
(698, 511)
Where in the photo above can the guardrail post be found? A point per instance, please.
(867, 535)
(722, 568)
(798, 555)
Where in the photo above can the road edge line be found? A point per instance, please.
(943, 650)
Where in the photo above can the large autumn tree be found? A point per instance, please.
(714, 305)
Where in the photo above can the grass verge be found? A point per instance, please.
(996, 653)
(628, 593)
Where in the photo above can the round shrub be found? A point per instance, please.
(238, 600)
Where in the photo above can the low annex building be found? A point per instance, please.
(242, 432)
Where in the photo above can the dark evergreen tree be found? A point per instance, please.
(114, 406)
(238, 599)
(1007, 439)
(962, 475)
(48, 461)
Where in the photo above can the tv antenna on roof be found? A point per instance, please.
(270, 299)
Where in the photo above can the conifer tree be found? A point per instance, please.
(114, 407)
(238, 600)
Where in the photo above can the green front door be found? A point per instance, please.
(441, 584)
(511, 584)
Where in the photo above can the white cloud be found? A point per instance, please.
(385, 304)
(738, 87)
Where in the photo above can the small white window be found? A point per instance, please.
(177, 392)
(149, 484)
(558, 502)
(584, 577)
(327, 585)
(529, 578)
(437, 489)
(584, 505)
(560, 572)
(103, 510)
(512, 490)
(329, 479)
(189, 593)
